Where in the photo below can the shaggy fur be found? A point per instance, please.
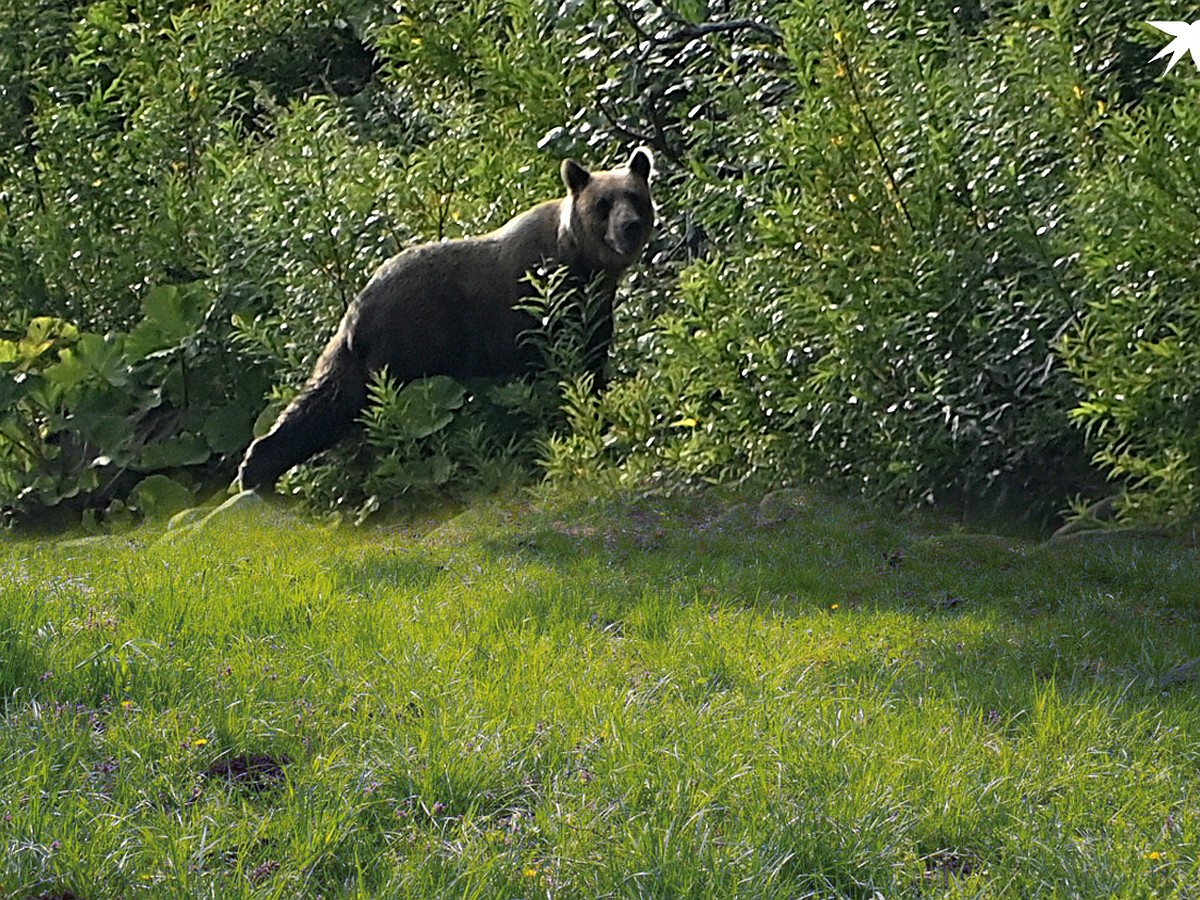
(447, 308)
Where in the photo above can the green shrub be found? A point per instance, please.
(126, 235)
(1135, 355)
(912, 246)
(906, 246)
(85, 418)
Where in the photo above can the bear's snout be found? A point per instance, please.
(626, 235)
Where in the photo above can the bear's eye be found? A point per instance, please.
(604, 207)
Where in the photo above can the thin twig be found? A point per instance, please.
(657, 142)
(1046, 260)
(848, 65)
(629, 17)
(688, 32)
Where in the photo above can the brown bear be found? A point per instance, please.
(448, 308)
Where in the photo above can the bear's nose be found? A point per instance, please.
(631, 230)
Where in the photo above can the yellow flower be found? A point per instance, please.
(833, 606)
(1153, 854)
(531, 872)
(199, 742)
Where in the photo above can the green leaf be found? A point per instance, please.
(47, 328)
(160, 497)
(186, 450)
(266, 418)
(146, 338)
(11, 390)
(427, 406)
(227, 429)
(164, 305)
(440, 391)
(40, 336)
(107, 432)
(68, 372)
(104, 354)
(171, 314)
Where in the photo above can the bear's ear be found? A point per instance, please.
(641, 163)
(575, 176)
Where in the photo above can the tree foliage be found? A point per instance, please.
(942, 252)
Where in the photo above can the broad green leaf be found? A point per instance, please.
(68, 372)
(426, 406)
(160, 497)
(420, 422)
(266, 418)
(186, 450)
(104, 354)
(422, 473)
(146, 338)
(440, 391)
(227, 429)
(171, 314)
(163, 305)
(45, 328)
(107, 432)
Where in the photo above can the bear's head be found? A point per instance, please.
(608, 215)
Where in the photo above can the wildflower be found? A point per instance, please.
(1153, 854)
(531, 872)
(199, 742)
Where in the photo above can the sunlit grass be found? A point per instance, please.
(623, 698)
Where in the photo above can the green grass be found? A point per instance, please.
(614, 698)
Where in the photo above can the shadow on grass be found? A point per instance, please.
(988, 614)
(1109, 612)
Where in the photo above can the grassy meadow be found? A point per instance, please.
(563, 696)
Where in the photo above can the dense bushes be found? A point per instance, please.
(938, 270)
(946, 253)
(1136, 354)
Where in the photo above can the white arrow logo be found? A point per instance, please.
(1187, 39)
